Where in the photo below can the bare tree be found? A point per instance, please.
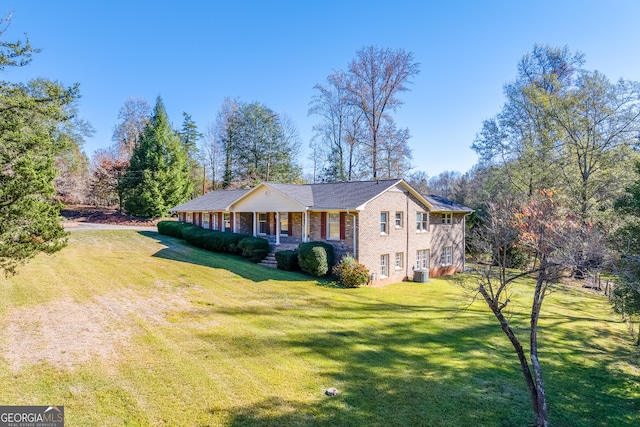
(395, 154)
(133, 117)
(339, 132)
(539, 229)
(213, 156)
(376, 78)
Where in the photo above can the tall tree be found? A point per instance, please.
(521, 138)
(133, 118)
(395, 154)
(31, 116)
(338, 134)
(259, 145)
(565, 128)
(599, 122)
(226, 135)
(190, 136)
(72, 182)
(376, 79)
(626, 295)
(158, 174)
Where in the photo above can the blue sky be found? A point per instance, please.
(196, 53)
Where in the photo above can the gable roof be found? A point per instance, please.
(218, 200)
(441, 204)
(349, 195)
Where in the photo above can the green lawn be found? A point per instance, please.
(128, 328)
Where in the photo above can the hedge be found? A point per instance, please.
(216, 241)
(316, 258)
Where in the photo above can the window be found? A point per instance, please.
(384, 265)
(447, 255)
(284, 224)
(399, 222)
(205, 220)
(399, 260)
(189, 218)
(214, 221)
(226, 219)
(262, 223)
(422, 221)
(422, 259)
(333, 226)
(384, 222)
(446, 218)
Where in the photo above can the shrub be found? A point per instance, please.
(215, 242)
(249, 245)
(315, 258)
(350, 273)
(195, 235)
(172, 228)
(287, 260)
(231, 241)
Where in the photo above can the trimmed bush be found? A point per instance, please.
(350, 273)
(315, 258)
(254, 248)
(287, 260)
(250, 244)
(195, 235)
(172, 228)
(231, 241)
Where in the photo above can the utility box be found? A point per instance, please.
(421, 276)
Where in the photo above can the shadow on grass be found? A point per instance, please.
(398, 367)
(179, 250)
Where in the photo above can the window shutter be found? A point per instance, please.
(343, 217)
(323, 225)
(290, 224)
(220, 221)
(200, 219)
(232, 224)
(210, 221)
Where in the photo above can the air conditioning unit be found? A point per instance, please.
(421, 276)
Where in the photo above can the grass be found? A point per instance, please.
(241, 345)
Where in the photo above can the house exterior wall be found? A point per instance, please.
(245, 223)
(400, 242)
(404, 240)
(341, 247)
(443, 236)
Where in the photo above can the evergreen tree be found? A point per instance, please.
(158, 175)
(31, 119)
(189, 136)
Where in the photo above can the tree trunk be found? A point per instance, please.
(524, 365)
(540, 403)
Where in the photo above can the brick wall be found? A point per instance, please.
(444, 235)
(403, 240)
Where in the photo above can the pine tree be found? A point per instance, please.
(158, 175)
(31, 120)
(189, 136)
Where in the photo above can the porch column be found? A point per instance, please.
(277, 228)
(255, 231)
(305, 226)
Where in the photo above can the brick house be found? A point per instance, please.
(386, 224)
